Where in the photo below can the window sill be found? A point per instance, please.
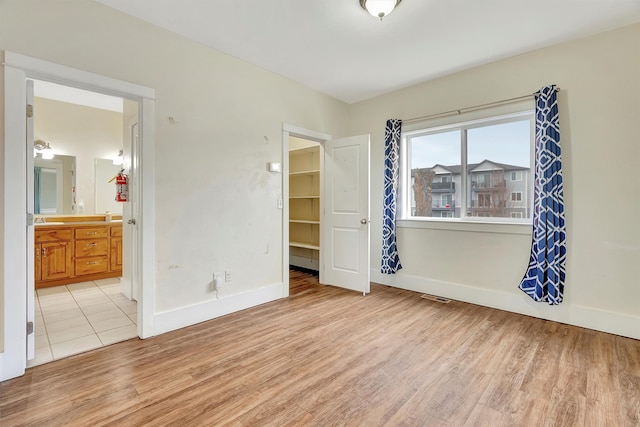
(468, 226)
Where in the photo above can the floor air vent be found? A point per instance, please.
(436, 298)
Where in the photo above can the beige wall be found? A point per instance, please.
(216, 203)
(599, 116)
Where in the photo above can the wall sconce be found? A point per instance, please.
(379, 8)
(44, 149)
(119, 159)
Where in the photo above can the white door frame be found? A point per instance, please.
(287, 131)
(13, 253)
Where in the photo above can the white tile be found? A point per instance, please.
(93, 300)
(39, 329)
(42, 355)
(41, 341)
(113, 323)
(107, 282)
(53, 290)
(97, 308)
(134, 318)
(70, 334)
(81, 286)
(75, 346)
(65, 324)
(118, 334)
(103, 314)
(129, 308)
(56, 316)
(58, 307)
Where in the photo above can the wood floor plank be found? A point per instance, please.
(327, 356)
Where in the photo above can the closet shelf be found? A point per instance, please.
(304, 197)
(304, 245)
(303, 221)
(303, 173)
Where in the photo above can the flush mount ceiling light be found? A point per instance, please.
(379, 8)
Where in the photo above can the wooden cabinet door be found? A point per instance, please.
(116, 254)
(56, 260)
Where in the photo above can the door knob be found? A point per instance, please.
(131, 221)
(364, 221)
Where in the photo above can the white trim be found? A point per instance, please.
(201, 312)
(56, 73)
(13, 359)
(17, 68)
(147, 238)
(454, 224)
(600, 320)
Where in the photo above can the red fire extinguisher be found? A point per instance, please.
(122, 187)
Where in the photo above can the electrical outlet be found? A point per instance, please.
(217, 281)
(227, 275)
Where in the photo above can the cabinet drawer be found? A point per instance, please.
(96, 264)
(91, 247)
(116, 231)
(52, 235)
(92, 233)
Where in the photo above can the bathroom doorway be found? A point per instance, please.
(17, 305)
(83, 299)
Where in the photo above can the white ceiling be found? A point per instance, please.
(336, 47)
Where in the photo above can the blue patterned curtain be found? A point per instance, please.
(390, 260)
(544, 279)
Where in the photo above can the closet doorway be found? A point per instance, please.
(326, 216)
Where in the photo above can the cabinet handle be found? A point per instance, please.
(90, 262)
(90, 233)
(91, 244)
(44, 252)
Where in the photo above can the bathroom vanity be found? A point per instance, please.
(76, 249)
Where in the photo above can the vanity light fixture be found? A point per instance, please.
(43, 148)
(379, 8)
(119, 159)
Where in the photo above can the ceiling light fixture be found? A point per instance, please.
(379, 8)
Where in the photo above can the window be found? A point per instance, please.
(474, 169)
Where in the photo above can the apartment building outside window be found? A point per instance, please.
(469, 170)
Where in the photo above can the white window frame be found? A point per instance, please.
(516, 214)
(477, 118)
(519, 175)
(516, 193)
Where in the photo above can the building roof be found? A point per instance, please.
(456, 169)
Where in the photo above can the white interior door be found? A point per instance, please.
(345, 224)
(30, 209)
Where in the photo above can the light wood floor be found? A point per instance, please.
(330, 357)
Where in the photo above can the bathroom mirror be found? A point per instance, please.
(54, 185)
(105, 186)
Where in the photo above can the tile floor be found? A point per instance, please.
(75, 318)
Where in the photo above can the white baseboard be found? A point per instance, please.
(190, 315)
(517, 302)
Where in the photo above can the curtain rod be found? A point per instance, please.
(474, 108)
